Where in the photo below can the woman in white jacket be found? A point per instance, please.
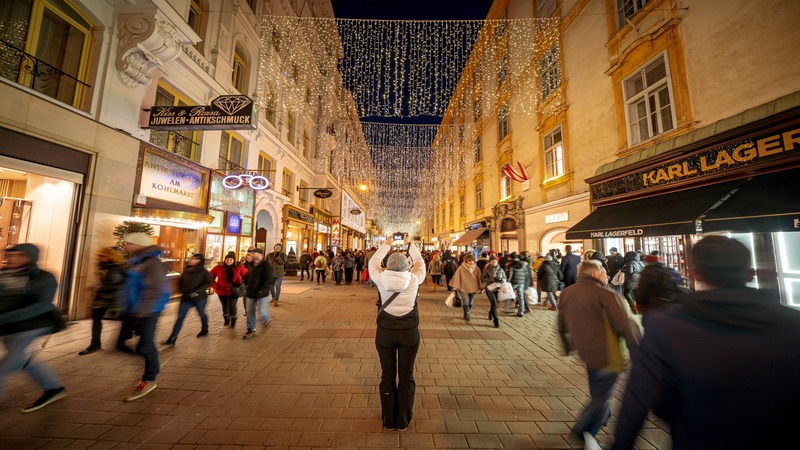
(397, 336)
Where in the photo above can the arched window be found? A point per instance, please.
(46, 46)
(195, 20)
(239, 77)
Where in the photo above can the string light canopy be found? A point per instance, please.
(339, 71)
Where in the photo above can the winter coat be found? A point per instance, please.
(305, 261)
(193, 283)
(110, 292)
(321, 263)
(482, 262)
(569, 267)
(467, 280)
(633, 267)
(259, 280)
(519, 274)
(147, 289)
(435, 267)
(585, 311)
(221, 284)
(278, 262)
(727, 357)
(549, 276)
(26, 298)
(390, 281)
(449, 264)
(349, 262)
(597, 256)
(614, 262)
(493, 274)
(337, 263)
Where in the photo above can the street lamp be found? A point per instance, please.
(363, 187)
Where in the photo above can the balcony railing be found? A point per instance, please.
(32, 72)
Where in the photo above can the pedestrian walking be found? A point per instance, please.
(321, 267)
(26, 313)
(521, 278)
(549, 280)
(259, 282)
(435, 268)
(585, 311)
(721, 370)
(108, 293)
(632, 268)
(397, 336)
(228, 278)
(467, 281)
(277, 259)
(305, 265)
(450, 265)
(569, 266)
(337, 265)
(349, 264)
(146, 295)
(193, 285)
(493, 276)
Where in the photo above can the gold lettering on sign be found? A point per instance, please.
(769, 146)
(744, 152)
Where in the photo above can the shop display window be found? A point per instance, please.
(789, 267)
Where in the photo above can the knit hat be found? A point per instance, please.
(492, 257)
(230, 255)
(29, 249)
(397, 262)
(141, 239)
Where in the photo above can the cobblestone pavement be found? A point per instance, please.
(310, 381)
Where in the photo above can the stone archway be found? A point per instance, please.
(508, 214)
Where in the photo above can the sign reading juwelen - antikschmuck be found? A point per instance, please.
(226, 112)
(170, 181)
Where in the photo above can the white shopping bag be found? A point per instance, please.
(451, 299)
(530, 296)
(506, 292)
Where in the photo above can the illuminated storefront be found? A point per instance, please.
(298, 230)
(323, 223)
(231, 205)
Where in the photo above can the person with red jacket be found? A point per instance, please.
(225, 279)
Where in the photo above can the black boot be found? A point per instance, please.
(171, 341)
(227, 320)
(233, 322)
(202, 332)
(496, 323)
(90, 349)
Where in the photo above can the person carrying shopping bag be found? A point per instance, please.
(467, 282)
(493, 277)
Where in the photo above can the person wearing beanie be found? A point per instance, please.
(493, 275)
(26, 313)
(521, 278)
(277, 260)
(226, 279)
(397, 336)
(146, 295)
(108, 293)
(727, 356)
(193, 285)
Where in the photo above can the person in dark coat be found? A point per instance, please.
(549, 277)
(632, 268)
(108, 293)
(259, 283)
(658, 290)
(193, 285)
(597, 256)
(493, 274)
(521, 278)
(449, 266)
(722, 370)
(305, 265)
(615, 261)
(569, 266)
(25, 314)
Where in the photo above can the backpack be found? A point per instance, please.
(436, 266)
(450, 267)
(318, 264)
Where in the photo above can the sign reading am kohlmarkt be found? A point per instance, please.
(226, 112)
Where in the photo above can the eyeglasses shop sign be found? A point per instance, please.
(169, 181)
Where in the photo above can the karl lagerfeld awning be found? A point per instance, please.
(469, 237)
(662, 215)
(766, 203)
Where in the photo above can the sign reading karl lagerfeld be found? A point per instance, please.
(226, 112)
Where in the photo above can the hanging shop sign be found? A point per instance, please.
(323, 193)
(335, 232)
(171, 181)
(735, 155)
(226, 112)
(321, 216)
(257, 182)
(355, 212)
(298, 215)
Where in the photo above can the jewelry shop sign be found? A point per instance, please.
(226, 112)
(172, 182)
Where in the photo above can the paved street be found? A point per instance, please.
(310, 381)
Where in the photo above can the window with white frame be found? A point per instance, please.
(502, 122)
(549, 72)
(287, 184)
(476, 149)
(553, 154)
(627, 9)
(478, 196)
(303, 194)
(505, 187)
(291, 124)
(239, 75)
(648, 101)
(462, 205)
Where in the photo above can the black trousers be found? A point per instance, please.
(305, 270)
(228, 303)
(320, 274)
(97, 325)
(348, 275)
(397, 350)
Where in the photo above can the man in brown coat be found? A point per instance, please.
(591, 319)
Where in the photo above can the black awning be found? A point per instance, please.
(662, 215)
(766, 203)
(469, 237)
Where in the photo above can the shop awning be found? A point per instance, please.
(469, 236)
(766, 203)
(662, 215)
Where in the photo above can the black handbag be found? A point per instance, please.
(238, 290)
